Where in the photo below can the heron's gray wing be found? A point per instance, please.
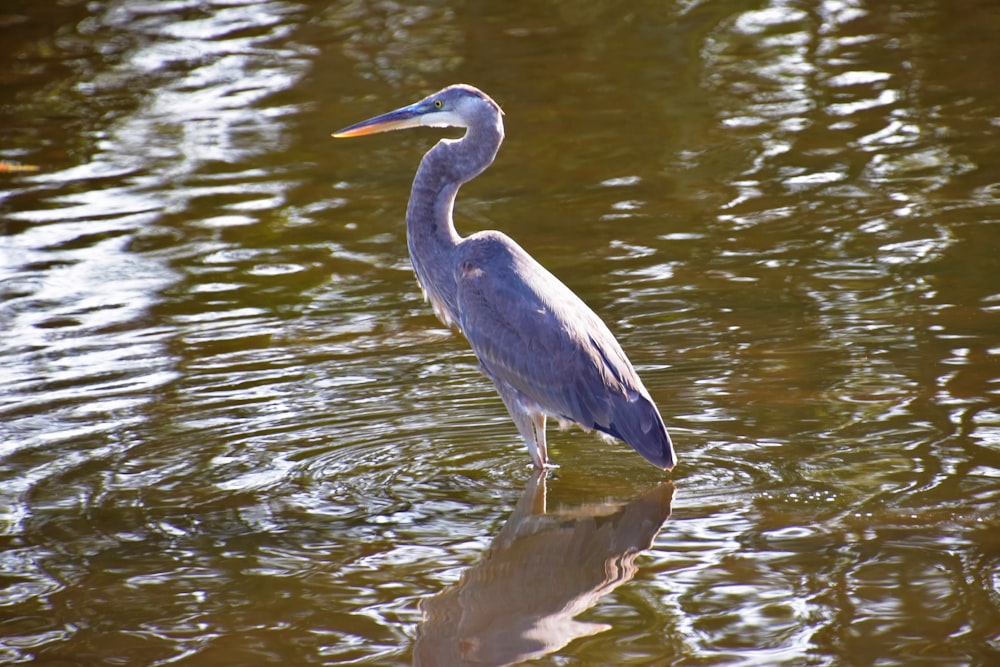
(533, 334)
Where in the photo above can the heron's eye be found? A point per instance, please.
(438, 104)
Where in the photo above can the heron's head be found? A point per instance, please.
(459, 105)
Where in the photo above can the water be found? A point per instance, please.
(231, 432)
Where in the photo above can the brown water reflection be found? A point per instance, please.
(542, 570)
(231, 432)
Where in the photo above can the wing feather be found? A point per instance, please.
(533, 334)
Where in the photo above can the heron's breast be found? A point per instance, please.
(438, 304)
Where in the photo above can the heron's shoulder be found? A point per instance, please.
(494, 261)
(491, 245)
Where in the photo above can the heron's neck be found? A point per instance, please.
(430, 229)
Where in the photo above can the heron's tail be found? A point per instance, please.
(635, 420)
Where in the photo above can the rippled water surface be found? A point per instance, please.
(231, 432)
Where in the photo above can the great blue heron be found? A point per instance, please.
(545, 350)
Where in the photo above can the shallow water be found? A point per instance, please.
(231, 432)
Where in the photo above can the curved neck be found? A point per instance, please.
(430, 229)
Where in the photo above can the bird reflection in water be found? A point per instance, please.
(541, 571)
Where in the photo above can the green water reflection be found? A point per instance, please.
(232, 433)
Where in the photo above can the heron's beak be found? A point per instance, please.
(400, 119)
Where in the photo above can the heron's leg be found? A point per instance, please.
(540, 452)
(530, 424)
